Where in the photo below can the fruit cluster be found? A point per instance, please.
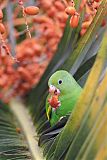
(90, 6)
(33, 54)
(74, 20)
(17, 80)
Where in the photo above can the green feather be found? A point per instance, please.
(69, 94)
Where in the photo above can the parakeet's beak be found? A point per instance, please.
(53, 90)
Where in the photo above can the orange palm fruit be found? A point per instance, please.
(82, 32)
(31, 10)
(18, 130)
(20, 2)
(87, 17)
(25, 74)
(86, 24)
(59, 5)
(54, 101)
(97, 0)
(70, 10)
(83, 2)
(2, 28)
(103, 23)
(1, 14)
(74, 21)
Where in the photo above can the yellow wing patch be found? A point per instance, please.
(49, 112)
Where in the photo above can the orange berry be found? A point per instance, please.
(82, 5)
(59, 5)
(74, 21)
(2, 28)
(1, 14)
(87, 17)
(18, 130)
(103, 23)
(71, 3)
(31, 10)
(91, 1)
(82, 32)
(97, 0)
(53, 101)
(25, 74)
(86, 24)
(20, 2)
(70, 10)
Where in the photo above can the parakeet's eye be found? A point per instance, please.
(60, 81)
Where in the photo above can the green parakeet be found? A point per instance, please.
(64, 92)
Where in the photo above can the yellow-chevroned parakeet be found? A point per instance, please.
(63, 95)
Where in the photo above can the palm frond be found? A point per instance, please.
(12, 143)
(17, 135)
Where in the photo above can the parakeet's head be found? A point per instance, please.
(61, 83)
